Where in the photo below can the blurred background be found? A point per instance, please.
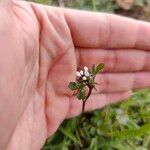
(123, 126)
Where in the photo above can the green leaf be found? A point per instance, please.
(93, 69)
(73, 86)
(91, 82)
(100, 67)
(80, 85)
(81, 95)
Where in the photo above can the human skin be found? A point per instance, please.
(40, 49)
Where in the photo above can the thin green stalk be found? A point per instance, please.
(94, 5)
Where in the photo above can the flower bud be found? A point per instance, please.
(84, 78)
(87, 74)
(81, 72)
(78, 74)
(85, 68)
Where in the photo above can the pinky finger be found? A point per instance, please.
(96, 101)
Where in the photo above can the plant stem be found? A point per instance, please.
(83, 106)
(84, 101)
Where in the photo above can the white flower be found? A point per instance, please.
(85, 68)
(84, 78)
(87, 74)
(81, 72)
(78, 74)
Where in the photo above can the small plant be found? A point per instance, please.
(85, 79)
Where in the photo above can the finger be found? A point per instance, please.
(100, 30)
(117, 82)
(115, 60)
(95, 102)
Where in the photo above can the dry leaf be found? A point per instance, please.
(125, 4)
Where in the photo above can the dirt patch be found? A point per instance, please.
(139, 12)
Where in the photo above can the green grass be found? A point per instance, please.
(103, 129)
(95, 5)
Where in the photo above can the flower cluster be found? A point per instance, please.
(84, 75)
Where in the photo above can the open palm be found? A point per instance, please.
(40, 50)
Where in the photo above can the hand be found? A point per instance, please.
(40, 50)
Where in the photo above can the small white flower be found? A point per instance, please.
(85, 68)
(87, 74)
(81, 72)
(84, 78)
(78, 74)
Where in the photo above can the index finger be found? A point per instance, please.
(101, 30)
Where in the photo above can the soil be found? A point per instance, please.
(141, 12)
